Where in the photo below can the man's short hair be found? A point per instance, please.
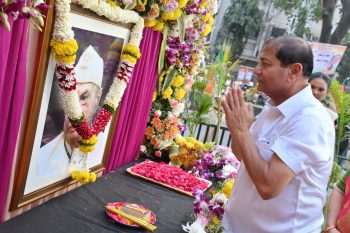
(293, 49)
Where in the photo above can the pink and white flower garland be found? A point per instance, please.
(65, 47)
(65, 71)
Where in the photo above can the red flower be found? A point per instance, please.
(169, 175)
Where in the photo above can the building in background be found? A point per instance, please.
(276, 23)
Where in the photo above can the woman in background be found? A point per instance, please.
(320, 84)
(338, 213)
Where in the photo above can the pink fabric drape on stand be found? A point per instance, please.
(13, 54)
(136, 103)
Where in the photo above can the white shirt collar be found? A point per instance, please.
(295, 103)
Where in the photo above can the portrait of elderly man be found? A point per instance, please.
(56, 155)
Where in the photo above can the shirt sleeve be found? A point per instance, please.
(342, 181)
(306, 141)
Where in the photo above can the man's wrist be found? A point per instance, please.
(240, 135)
(329, 228)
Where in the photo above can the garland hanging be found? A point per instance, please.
(65, 47)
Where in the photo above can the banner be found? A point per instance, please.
(326, 57)
(245, 74)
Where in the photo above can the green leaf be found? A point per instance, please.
(164, 145)
(131, 5)
(203, 103)
(181, 24)
(159, 85)
(162, 49)
(169, 78)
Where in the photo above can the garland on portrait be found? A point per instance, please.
(65, 47)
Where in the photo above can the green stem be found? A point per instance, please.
(218, 124)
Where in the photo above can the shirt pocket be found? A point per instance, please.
(264, 147)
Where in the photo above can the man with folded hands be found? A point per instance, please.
(286, 153)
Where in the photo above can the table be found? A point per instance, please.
(82, 209)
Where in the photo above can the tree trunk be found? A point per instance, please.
(328, 7)
(343, 25)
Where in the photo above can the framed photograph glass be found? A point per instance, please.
(49, 140)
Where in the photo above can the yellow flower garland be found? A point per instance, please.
(158, 27)
(65, 51)
(129, 58)
(83, 176)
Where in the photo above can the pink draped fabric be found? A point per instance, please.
(13, 54)
(136, 103)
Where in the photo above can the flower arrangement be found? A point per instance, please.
(22, 9)
(65, 47)
(180, 56)
(218, 163)
(208, 211)
(160, 133)
(189, 151)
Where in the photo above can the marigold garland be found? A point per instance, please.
(65, 47)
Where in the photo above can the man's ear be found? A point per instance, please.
(296, 71)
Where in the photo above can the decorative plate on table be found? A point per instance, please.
(132, 209)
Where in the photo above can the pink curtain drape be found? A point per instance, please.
(13, 54)
(136, 103)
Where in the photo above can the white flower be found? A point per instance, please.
(143, 149)
(178, 109)
(228, 169)
(219, 197)
(196, 227)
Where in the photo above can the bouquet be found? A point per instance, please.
(217, 164)
(159, 135)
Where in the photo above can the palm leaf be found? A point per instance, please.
(181, 24)
(169, 78)
(161, 56)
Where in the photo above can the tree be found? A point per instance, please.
(322, 10)
(319, 10)
(241, 18)
(344, 68)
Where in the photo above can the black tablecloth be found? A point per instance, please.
(82, 210)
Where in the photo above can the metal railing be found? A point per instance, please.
(207, 133)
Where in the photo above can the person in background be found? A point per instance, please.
(338, 211)
(320, 84)
(286, 153)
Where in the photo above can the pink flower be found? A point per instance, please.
(189, 80)
(158, 154)
(173, 103)
(157, 114)
(171, 117)
(187, 87)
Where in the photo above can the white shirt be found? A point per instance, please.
(301, 132)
